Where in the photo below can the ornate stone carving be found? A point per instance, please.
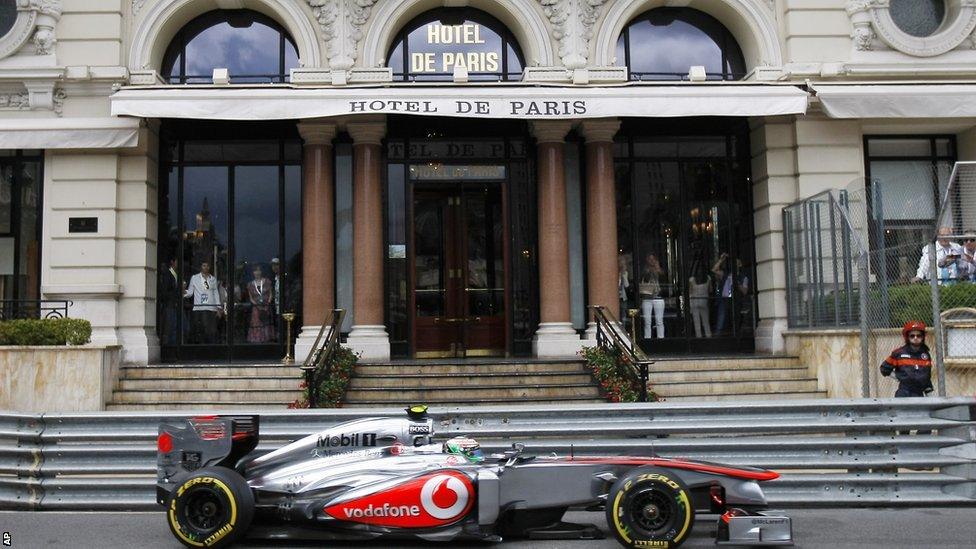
(14, 101)
(137, 6)
(572, 24)
(342, 25)
(36, 20)
(874, 28)
(59, 97)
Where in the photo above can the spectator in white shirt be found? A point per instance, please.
(947, 255)
(208, 306)
(967, 263)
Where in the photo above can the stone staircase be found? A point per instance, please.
(206, 387)
(472, 382)
(754, 377)
(456, 382)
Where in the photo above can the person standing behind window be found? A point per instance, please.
(259, 293)
(208, 306)
(698, 290)
(169, 298)
(652, 295)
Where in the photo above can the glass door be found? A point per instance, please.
(458, 271)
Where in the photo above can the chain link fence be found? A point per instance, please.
(886, 250)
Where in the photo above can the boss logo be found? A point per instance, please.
(419, 430)
(346, 439)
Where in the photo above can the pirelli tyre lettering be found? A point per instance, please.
(211, 508)
(650, 508)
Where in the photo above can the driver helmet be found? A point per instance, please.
(464, 447)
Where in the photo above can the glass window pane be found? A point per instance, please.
(943, 147)
(288, 274)
(169, 284)
(205, 261)
(666, 42)
(906, 188)
(657, 203)
(7, 267)
(223, 151)
(918, 17)
(703, 147)
(667, 149)
(8, 15)
(244, 42)
(900, 147)
(256, 245)
(30, 190)
(428, 223)
(442, 39)
(6, 197)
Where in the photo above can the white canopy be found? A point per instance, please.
(532, 103)
(68, 133)
(898, 100)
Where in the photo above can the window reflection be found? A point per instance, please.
(665, 43)
(251, 46)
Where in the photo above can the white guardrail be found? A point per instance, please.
(870, 452)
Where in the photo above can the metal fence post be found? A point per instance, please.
(864, 285)
(937, 318)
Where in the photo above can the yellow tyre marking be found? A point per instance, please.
(172, 509)
(616, 516)
(682, 498)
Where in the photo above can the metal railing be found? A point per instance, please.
(611, 336)
(318, 363)
(829, 452)
(11, 309)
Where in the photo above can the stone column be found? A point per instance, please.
(368, 335)
(555, 336)
(318, 232)
(601, 219)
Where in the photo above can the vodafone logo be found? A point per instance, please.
(439, 492)
(434, 499)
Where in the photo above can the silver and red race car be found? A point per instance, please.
(385, 477)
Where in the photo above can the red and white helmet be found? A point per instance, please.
(913, 326)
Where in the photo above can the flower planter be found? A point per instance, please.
(58, 378)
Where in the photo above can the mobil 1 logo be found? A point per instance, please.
(346, 439)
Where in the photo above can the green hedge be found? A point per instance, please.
(905, 302)
(48, 331)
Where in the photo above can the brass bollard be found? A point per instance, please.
(632, 313)
(289, 318)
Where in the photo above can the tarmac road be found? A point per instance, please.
(813, 528)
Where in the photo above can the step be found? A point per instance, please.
(241, 396)
(453, 401)
(261, 383)
(439, 368)
(474, 394)
(727, 374)
(746, 396)
(157, 371)
(735, 387)
(197, 406)
(719, 363)
(420, 381)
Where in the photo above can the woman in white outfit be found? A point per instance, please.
(652, 295)
(698, 290)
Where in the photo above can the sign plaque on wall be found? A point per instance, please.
(82, 224)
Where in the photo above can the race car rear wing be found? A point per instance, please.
(201, 441)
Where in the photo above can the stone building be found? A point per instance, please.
(464, 177)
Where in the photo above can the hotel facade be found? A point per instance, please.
(463, 177)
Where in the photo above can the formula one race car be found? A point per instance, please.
(385, 477)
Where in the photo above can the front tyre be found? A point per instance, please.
(650, 507)
(211, 508)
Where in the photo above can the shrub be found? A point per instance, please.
(47, 331)
(618, 382)
(331, 389)
(905, 302)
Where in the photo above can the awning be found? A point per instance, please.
(523, 102)
(898, 101)
(69, 133)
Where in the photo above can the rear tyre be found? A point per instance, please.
(211, 508)
(650, 507)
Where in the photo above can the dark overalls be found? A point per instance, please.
(912, 368)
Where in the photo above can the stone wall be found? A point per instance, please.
(57, 378)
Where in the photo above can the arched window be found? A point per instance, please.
(251, 46)
(433, 44)
(664, 43)
(8, 14)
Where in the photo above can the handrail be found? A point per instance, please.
(318, 363)
(611, 337)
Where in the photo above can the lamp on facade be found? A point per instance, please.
(221, 76)
(697, 73)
